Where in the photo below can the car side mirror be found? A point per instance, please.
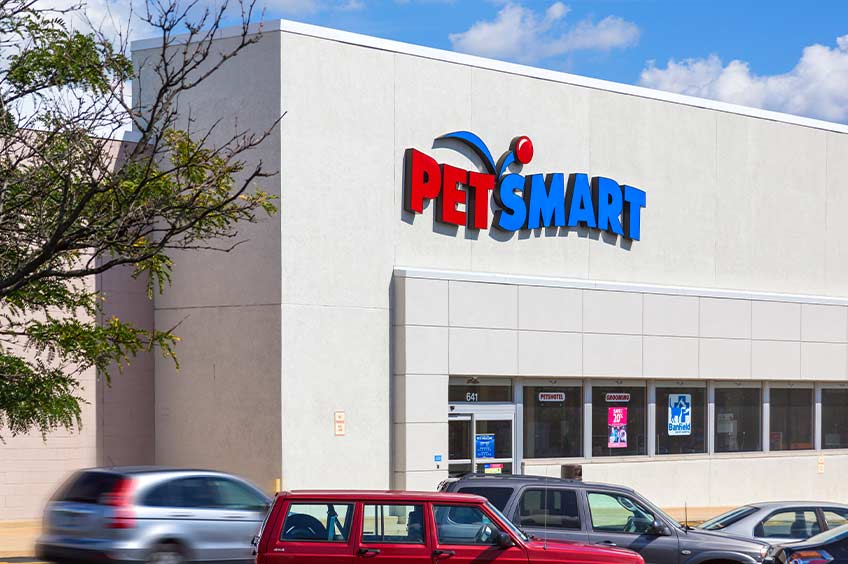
(658, 528)
(505, 541)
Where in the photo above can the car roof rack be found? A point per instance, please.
(530, 478)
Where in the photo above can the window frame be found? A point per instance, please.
(758, 527)
(654, 429)
(712, 398)
(590, 433)
(825, 526)
(351, 517)
(790, 386)
(516, 512)
(591, 519)
(420, 504)
(435, 505)
(822, 389)
(552, 385)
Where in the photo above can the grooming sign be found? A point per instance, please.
(462, 197)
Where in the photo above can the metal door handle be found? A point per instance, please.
(607, 543)
(233, 516)
(443, 553)
(180, 515)
(369, 551)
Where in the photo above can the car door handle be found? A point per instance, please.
(179, 515)
(234, 517)
(443, 553)
(607, 543)
(366, 552)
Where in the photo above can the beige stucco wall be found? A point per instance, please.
(221, 408)
(32, 466)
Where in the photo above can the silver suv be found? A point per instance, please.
(148, 514)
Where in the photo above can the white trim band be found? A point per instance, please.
(583, 284)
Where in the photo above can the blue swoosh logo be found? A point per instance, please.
(476, 144)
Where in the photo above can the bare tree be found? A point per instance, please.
(74, 204)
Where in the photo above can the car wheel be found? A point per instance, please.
(166, 553)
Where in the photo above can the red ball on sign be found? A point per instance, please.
(523, 150)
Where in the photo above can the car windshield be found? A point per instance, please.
(727, 519)
(518, 532)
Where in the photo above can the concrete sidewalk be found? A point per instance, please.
(17, 538)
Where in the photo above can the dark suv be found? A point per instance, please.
(605, 514)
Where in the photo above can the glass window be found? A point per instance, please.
(834, 418)
(498, 497)
(553, 508)
(235, 495)
(197, 492)
(618, 421)
(681, 418)
(614, 513)
(553, 422)
(461, 524)
(459, 439)
(493, 436)
(835, 517)
(737, 420)
(326, 522)
(479, 390)
(402, 524)
(797, 524)
(88, 487)
(727, 519)
(791, 415)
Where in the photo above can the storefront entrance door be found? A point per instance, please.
(481, 439)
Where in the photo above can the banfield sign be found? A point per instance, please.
(523, 202)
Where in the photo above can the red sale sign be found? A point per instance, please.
(617, 416)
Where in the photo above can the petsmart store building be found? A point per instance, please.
(485, 267)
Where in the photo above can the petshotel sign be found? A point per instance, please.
(523, 202)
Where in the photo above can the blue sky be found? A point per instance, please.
(787, 56)
(758, 53)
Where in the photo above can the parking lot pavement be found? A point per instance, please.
(17, 540)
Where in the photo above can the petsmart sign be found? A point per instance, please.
(532, 201)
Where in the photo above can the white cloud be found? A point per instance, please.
(293, 7)
(522, 34)
(816, 87)
(351, 6)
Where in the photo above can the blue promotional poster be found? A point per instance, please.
(679, 415)
(484, 446)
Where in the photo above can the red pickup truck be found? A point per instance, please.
(348, 527)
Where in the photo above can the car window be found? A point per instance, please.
(88, 487)
(393, 524)
(461, 524)
(322, 522)
(499, 497)
(552, 508)
(167, 494)
(835, 517)
(727, 519)
(235, 495)
(616, 513)
(199, 492)
(792, 524)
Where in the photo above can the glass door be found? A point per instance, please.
(481, 439)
